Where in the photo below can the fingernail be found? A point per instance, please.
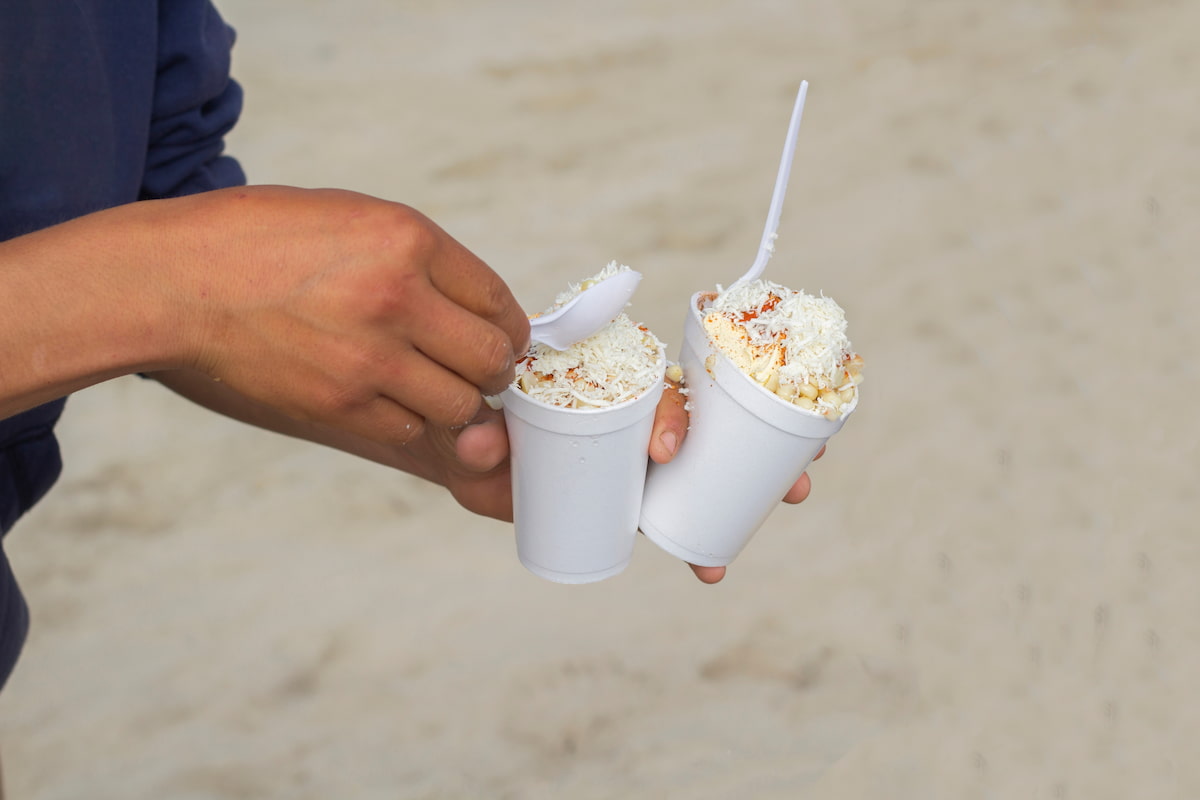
(670, 441)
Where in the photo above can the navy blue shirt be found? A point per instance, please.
(102, 103)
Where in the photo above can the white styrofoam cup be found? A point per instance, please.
(744, 449)
(578, 476)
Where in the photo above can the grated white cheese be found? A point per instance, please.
(573, 290)
(786, 340)
(620, 362)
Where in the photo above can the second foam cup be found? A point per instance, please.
(578, 476)
(744, 449)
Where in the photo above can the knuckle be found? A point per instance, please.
(494, 295)
(412, 234)
(672, 409)
(391, 298)
(339, 400)
(348, 390)
(496, 360)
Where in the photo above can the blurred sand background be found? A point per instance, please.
(992, 590)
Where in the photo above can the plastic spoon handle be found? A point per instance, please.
(767, 247)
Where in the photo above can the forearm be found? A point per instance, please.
(77, 306)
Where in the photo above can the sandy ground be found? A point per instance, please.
(991, 592)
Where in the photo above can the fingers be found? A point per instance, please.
(382, 419)
(468, 345)
(466, 280)
(483, 445)
(708, 574)
(670, 425)
(482, 474)
(470, 324)
(430, 390)
(799, 491)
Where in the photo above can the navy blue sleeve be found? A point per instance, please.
(196, 103)
(14, 620)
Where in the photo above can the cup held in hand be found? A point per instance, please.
(744, 449)
(578, 477)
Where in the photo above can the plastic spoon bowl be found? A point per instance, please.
(586, 313)
(767, 247)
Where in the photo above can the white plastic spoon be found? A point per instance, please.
(767, 247)
(587, 312)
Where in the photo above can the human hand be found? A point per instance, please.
(342, 310)
(371, 329)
